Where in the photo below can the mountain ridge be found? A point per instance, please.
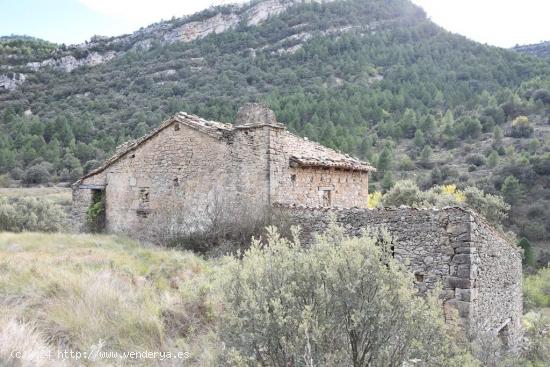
(541, 49)
(376, 79)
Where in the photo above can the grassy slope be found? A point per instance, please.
(60, 291)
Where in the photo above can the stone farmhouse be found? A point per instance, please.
(256, 161)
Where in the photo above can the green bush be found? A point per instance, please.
(30, 214)
(528, 254)
(407, 192)
(36, 174)
(343, 301)
(95, 215)
(536, 289)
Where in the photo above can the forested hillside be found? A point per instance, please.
(374, 78)
(541, 49)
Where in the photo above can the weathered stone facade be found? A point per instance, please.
(479, 270)
(192, 160)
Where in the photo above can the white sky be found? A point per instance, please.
(502, 23)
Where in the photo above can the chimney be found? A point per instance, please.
(256, 114)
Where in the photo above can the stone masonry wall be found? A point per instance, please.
(184, 167)
(497, 274)
(307, 185)
(479, 271)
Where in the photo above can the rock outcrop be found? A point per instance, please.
(69, 63)
(11, 81)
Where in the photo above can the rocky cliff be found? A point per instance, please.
(100, 49)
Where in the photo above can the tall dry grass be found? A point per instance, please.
(63, 291)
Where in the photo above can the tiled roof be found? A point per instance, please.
(307, 153)
(303, 152)
(213, 128)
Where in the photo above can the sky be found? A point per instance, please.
(503, 23)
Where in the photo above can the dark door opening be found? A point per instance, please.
(95, 215)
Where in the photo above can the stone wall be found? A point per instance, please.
(180, 167)
(479, 271)
(308, 186)
(197, 164)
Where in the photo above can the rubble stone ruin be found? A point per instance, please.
(256, 161)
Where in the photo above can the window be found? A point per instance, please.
(293, 178)
(143, 203)
(419, 277)
(326, 199)
(176, 127)
(144, 195)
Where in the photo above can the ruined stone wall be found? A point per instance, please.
(308, 186)
(80, 204)
(479, 271)
(495, 267)
(180, 167)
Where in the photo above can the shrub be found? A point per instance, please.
(17, 173)
(537, 346)
(536, 289)
(511, 190)
(406, 192)
(344, 301)
(30, 214)
(521, 127)
(476, 160)
(528, 254)
(375, 199)
(4, 181)
(217, 221)
(36, 174)
(406, 163)
(95, 215)
(534, 231)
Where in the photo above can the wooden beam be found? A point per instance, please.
(91, 187)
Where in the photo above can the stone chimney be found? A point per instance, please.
(256, 114)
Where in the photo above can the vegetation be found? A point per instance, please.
(407, 192)
(30, 214)
(341, 302)
(409, 88)
(80, 292)
(95, 215)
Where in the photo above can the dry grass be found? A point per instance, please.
(58, 195)
(62, 291)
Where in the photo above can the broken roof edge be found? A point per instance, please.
(308, 160)
(213, 129)
(200, 124)
(343, 164)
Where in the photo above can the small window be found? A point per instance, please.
(326, 198)
(293, 178)
(176, 182)
(143, 202)
(419, 277)
(176, 127)
(144, 195)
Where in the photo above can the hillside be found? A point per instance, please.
(375, 78)
(538, 49)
